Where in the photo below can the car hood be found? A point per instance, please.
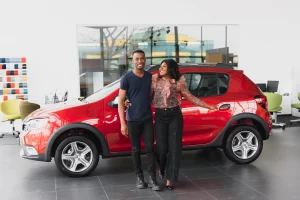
(46, 110)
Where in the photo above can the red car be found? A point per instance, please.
(75, 133)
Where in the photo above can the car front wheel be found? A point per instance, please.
(76, 156)
(243, 145)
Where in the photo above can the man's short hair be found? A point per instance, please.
(138, 51)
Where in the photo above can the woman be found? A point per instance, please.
(167, 86)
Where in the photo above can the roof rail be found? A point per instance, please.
(223, 66)
(152, 68)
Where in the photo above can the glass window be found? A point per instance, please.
(207, 84)
(188, 79)
(195, 81)
(105, 52)
(223, 83)
(233, 38)
(103, 56)
(215, 44)
(156, 41)
(100, 94)
(189, 40)
(192, 82)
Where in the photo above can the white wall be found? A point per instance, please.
(51, 55)
(270, 51)
(45, 33)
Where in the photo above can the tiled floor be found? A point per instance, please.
(205, 175)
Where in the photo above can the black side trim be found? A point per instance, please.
(40, 157)
(120, 154)
(91, 128)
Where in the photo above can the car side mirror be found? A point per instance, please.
(114, 103)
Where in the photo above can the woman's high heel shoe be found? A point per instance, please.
(169, 186)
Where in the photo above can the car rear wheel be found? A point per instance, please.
(76, 156)
(243, 145)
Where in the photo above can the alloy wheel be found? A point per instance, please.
(244, 144)
(77, 156)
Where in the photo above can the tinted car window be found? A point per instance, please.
(207, 84)
(223, 83)
(188, 78)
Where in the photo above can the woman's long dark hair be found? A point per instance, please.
(173, 69)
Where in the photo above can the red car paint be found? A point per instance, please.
(201, 126)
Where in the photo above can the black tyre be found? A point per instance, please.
(76, 156)
(243, 145)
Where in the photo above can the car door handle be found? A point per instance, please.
(224, 107)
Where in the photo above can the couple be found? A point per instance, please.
(138, 86)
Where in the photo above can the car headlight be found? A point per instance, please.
(36, 123)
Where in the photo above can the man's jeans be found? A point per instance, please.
(137, 129)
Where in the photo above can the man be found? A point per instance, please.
(135, 85)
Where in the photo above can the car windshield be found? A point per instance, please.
(103, 92)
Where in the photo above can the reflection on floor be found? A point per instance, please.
(204, 175)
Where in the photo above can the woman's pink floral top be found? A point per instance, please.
(167, 92)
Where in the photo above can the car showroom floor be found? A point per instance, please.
(204, 175)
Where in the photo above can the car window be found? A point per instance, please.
(195, 81)
(188, 78)
(207, 84)
(103, 92)
(223, 83)
(192, 81)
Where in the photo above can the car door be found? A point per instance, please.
(201, 125)
(116, 141)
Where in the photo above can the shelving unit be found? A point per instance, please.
(13, 79)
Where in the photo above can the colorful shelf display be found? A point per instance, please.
(13, 79)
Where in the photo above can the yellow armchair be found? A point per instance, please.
(26, 108)
(297, 106)
(11, 112)
(274, 107)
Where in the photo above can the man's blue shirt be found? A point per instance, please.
(138, 93)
